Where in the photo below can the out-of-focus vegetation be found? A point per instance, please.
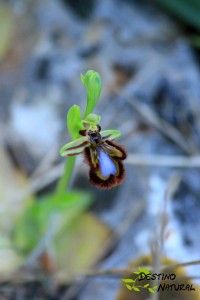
(186, 10)
(6, 29)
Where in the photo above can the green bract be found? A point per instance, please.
(92, 82)
(74, 121)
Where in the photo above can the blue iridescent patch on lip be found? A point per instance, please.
(107, 166)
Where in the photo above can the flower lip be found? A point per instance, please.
(107, 166)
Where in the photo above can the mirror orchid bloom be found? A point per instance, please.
(101, 153)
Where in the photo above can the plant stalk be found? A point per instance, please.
(63, 183)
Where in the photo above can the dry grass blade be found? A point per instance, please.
(28, 276)
(163, 160)
(164, 127)
(123, 272)
(145, 76)
(157, 242)
(136, 159)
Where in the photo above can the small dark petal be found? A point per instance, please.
(87, 158)
(119, 147)
(99, 127)
(83, 132)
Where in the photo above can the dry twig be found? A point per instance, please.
(163, 160)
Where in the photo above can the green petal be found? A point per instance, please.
(110, 134)
(74, 147)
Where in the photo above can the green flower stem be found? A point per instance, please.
(63, 183)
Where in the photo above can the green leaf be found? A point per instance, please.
(155, 287)
(128, 280)
(137, 272)
(195, 40)
(92, 82)
(136, 289)
(35, 220)
(27, 229)
(189, 11)
(74, 121)
(75, 147)
(146, 285)
(129, 287)
(145, 271)
(151, 290)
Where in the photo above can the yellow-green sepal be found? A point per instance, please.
(75, 147)
(110, 134)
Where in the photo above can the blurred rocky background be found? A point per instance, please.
(148, 55)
